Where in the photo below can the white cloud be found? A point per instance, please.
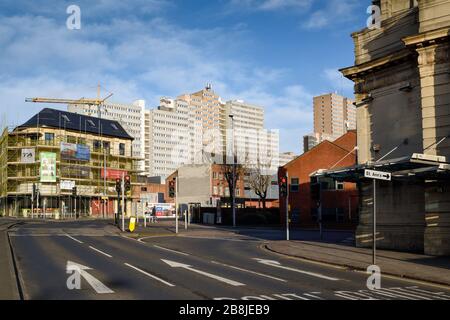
(271, 5)
(140, 58)
(337, 81)
(332, 13)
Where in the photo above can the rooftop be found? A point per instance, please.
(54, 118)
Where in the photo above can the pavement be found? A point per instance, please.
(400, 264)
(8, 283)
(93, 260)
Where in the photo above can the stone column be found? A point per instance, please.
(434, 67)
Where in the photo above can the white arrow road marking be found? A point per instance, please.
(276, 264)
(249, 271)
(99, 251)
(174, 264)
(150, 275)
(99, 287)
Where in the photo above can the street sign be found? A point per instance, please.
(379, 175)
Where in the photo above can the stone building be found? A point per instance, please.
(402, 90)
(69, 162)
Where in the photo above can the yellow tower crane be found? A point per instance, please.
(91, 102)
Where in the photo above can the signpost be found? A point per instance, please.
(376, 175)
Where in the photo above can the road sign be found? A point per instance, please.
(379, 175)
(132, 224)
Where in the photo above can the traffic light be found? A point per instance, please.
(118, 185)
(127, 183)
(283, 186)
(172, 188)
(74, 191)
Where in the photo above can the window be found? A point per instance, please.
(339, 185)
(295, 184)
(122, 149)
(49, 136)
(96, 144)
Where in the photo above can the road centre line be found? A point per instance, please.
(249, 271)
(76, 240)
(100, 251)
(150, 275)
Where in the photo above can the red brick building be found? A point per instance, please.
(339, 200)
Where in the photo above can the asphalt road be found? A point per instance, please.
(183, 267)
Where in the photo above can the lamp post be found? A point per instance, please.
(233, 174)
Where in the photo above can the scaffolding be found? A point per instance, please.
(96, 194)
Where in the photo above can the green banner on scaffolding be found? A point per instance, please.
(48, 166)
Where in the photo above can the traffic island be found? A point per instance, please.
(400, 264)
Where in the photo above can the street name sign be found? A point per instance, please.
(379, 175)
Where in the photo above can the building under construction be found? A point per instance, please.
(60, 164)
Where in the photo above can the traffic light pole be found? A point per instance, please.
(176, 205)
(123, 201)
(32, 200)
(287, 207)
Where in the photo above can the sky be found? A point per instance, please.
(274, 53)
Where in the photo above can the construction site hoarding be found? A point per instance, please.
(67, 184)
(28, 155)
(77, 152)
(75, 171)
(47, 167)
(113, 174)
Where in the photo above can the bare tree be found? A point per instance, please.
(227, 170)
(259, 180)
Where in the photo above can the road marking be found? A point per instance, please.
(276, 264)
(74, 238)
(313, 296)
(170, 250)
(99, 287)
(150, 275)
(99, 251)
(249, 271)
(221, 239)
(415, 289)
(174, 264)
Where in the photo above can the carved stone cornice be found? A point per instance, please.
(360, 71)
(428, 38)
(433, 54)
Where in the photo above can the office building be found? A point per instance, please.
(334, 115)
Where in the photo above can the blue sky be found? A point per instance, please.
(274, 53)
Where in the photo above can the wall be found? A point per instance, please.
(323, 156)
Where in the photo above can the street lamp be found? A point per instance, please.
(233, 179)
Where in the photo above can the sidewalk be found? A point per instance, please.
(401, 264)
(8, 282)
